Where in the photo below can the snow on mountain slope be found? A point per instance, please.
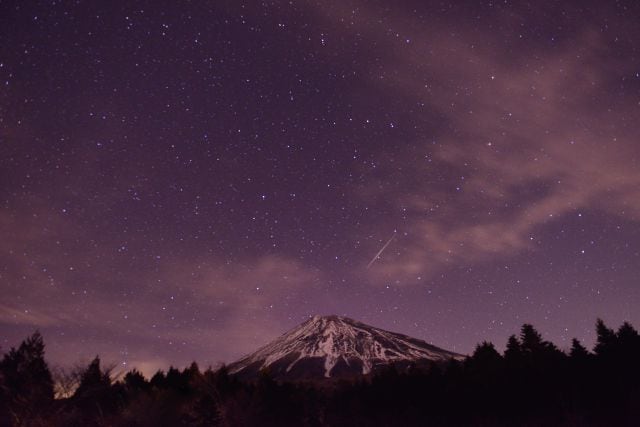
(332, 345)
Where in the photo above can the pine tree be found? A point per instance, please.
(513, 352)
(537, 351)
(26, 380)
(93, 379)
(485, 356)
(628, 352)
(606, 339)
(135, 381)
(531, 340)
(95, 397)
(578, 351)
(485, 369)
(627, 336)
(158, 379)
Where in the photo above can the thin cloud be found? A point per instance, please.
(517, 135)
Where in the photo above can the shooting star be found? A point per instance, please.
(381, 250)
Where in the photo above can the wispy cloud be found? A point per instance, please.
(512, 141)
(191, 302)
(34, 318)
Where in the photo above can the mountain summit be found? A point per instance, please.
(335, 346)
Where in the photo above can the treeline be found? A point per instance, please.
(532, 384)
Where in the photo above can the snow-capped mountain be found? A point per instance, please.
(334, 346)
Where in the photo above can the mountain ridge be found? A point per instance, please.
(336, 346)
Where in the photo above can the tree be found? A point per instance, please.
(158, 379)
(606, 339)
(538, 353)
(485, 370)
(177, 381)
(135, 381)
(95, 398)
(578, 351)
(627, 352)
(66, 381)
(513, 352)
(94, 379)
(531, 340)
(628, 337)
(485, 357)
(26, 380)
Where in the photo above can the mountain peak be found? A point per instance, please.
(331, 345)
(329, 317)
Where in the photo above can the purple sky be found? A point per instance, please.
(187, 180)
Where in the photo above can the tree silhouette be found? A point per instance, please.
(485, 360)
(606, 339)
(93, 379)
(95, 398)
(531, 340)
(532, 384)
(26, 381)
(628, 338)
(135, 381)
(513, 353)
(158, 379)
(536, 347)
(578, 351)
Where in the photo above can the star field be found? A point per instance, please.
(186, 181)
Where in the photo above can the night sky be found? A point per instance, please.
(186, 180)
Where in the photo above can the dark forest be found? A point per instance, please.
(532, 383)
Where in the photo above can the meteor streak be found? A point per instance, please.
(381, 250)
